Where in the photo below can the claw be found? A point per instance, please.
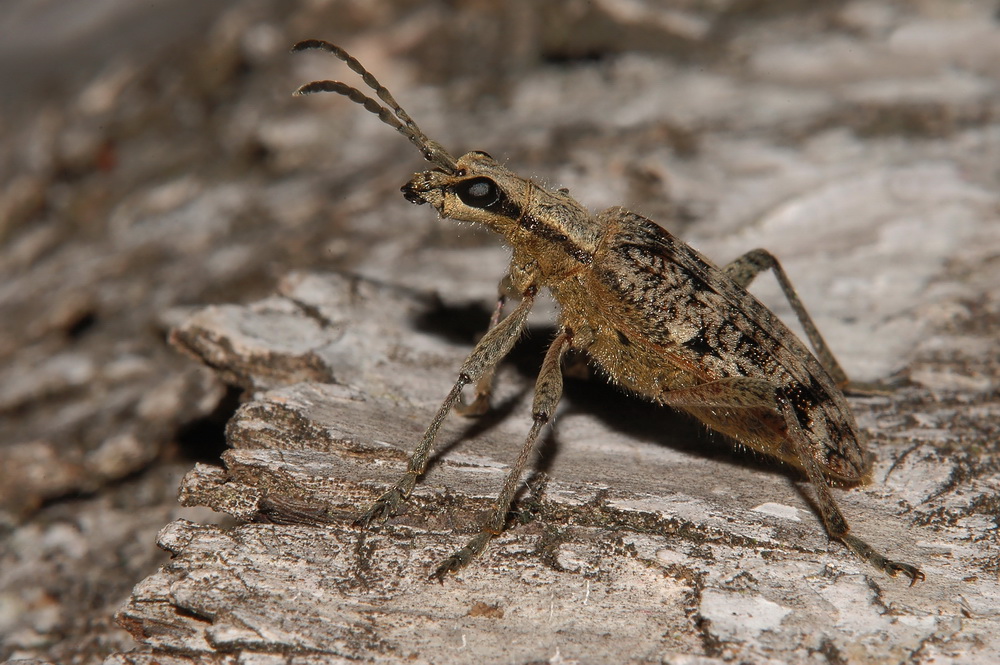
(463, 556)
(449, 565)
(383, 508)
(914, 573)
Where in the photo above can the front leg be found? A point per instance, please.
(548, 391)
(480, 403)
(491, 349)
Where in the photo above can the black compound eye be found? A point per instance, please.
(478, 192)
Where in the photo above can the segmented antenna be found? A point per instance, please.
(391, 114)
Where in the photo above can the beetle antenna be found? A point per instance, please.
(391, 113)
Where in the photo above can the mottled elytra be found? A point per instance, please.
(654, 315)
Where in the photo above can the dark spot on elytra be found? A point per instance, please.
(699, 344)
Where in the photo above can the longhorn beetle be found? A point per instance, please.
(653, 314)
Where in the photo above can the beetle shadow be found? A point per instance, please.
(655, 424)
(631, 415)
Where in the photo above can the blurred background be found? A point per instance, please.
(153, 160)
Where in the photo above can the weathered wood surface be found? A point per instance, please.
(857, 140)
(647, 533)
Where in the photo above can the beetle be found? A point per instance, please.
(655, 316)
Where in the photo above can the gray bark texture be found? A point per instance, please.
(210, 285)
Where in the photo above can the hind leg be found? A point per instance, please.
(749, 393)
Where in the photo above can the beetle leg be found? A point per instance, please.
(548, 391)
(483, 359)
(743, 271)
(745, 392)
